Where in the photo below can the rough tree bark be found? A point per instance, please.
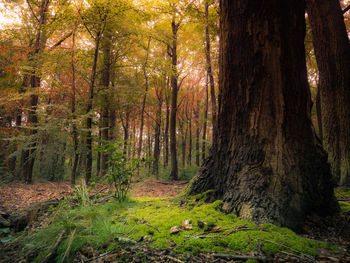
(266, 165)
(332, 50)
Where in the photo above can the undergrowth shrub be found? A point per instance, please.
(120, 169)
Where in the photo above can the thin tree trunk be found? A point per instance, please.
(89, 108)
(106, 71)
(205, 121)
(190, 140)
(126, 132)
(35, 83)
(196, 115)
(174, 88)
(266, 165)
(144, 100)
(112, 117)
(158, 123)
(74, 126)
(209, 71)
(98, 161)
(184, 139)
(166, 129)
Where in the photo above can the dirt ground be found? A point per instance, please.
(19, 195)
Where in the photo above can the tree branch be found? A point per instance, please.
(346, 9)
(31, 9)
(61, 41)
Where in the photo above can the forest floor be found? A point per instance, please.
(19, 195)
(138, 230)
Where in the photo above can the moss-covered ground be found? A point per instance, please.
(114, 225)
(343, 193)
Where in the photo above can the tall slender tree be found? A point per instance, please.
(332, 50)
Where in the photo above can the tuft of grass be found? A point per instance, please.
(342, 191)
(344, 206)
(85, 226)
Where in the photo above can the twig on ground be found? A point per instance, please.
(174, 259)
(143, 222)
(100, 256)
(301, 254)
(228, 233)
(52, 252)
(240, 257)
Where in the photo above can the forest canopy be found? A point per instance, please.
(244, 105)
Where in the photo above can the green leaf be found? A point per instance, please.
(5, 230)
(6, 239)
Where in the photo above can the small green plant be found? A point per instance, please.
(81, 193)
(120, 170)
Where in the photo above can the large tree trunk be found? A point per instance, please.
(319, 114)
(174, 90)
(210, 71)
(332, 51)
(266, 165)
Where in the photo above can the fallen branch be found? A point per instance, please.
(228, 233)
(52, 252)
(174, 259)
(155, 228)
(240, 257)
(143, 222)
(100, 256)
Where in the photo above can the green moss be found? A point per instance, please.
(169, 214)
(109, 226)
(344, 206)
(342, 191)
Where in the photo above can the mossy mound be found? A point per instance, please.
(154, 218)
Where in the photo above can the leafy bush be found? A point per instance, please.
(120, 170)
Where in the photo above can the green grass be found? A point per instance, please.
(85, 226)
(112, 225)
